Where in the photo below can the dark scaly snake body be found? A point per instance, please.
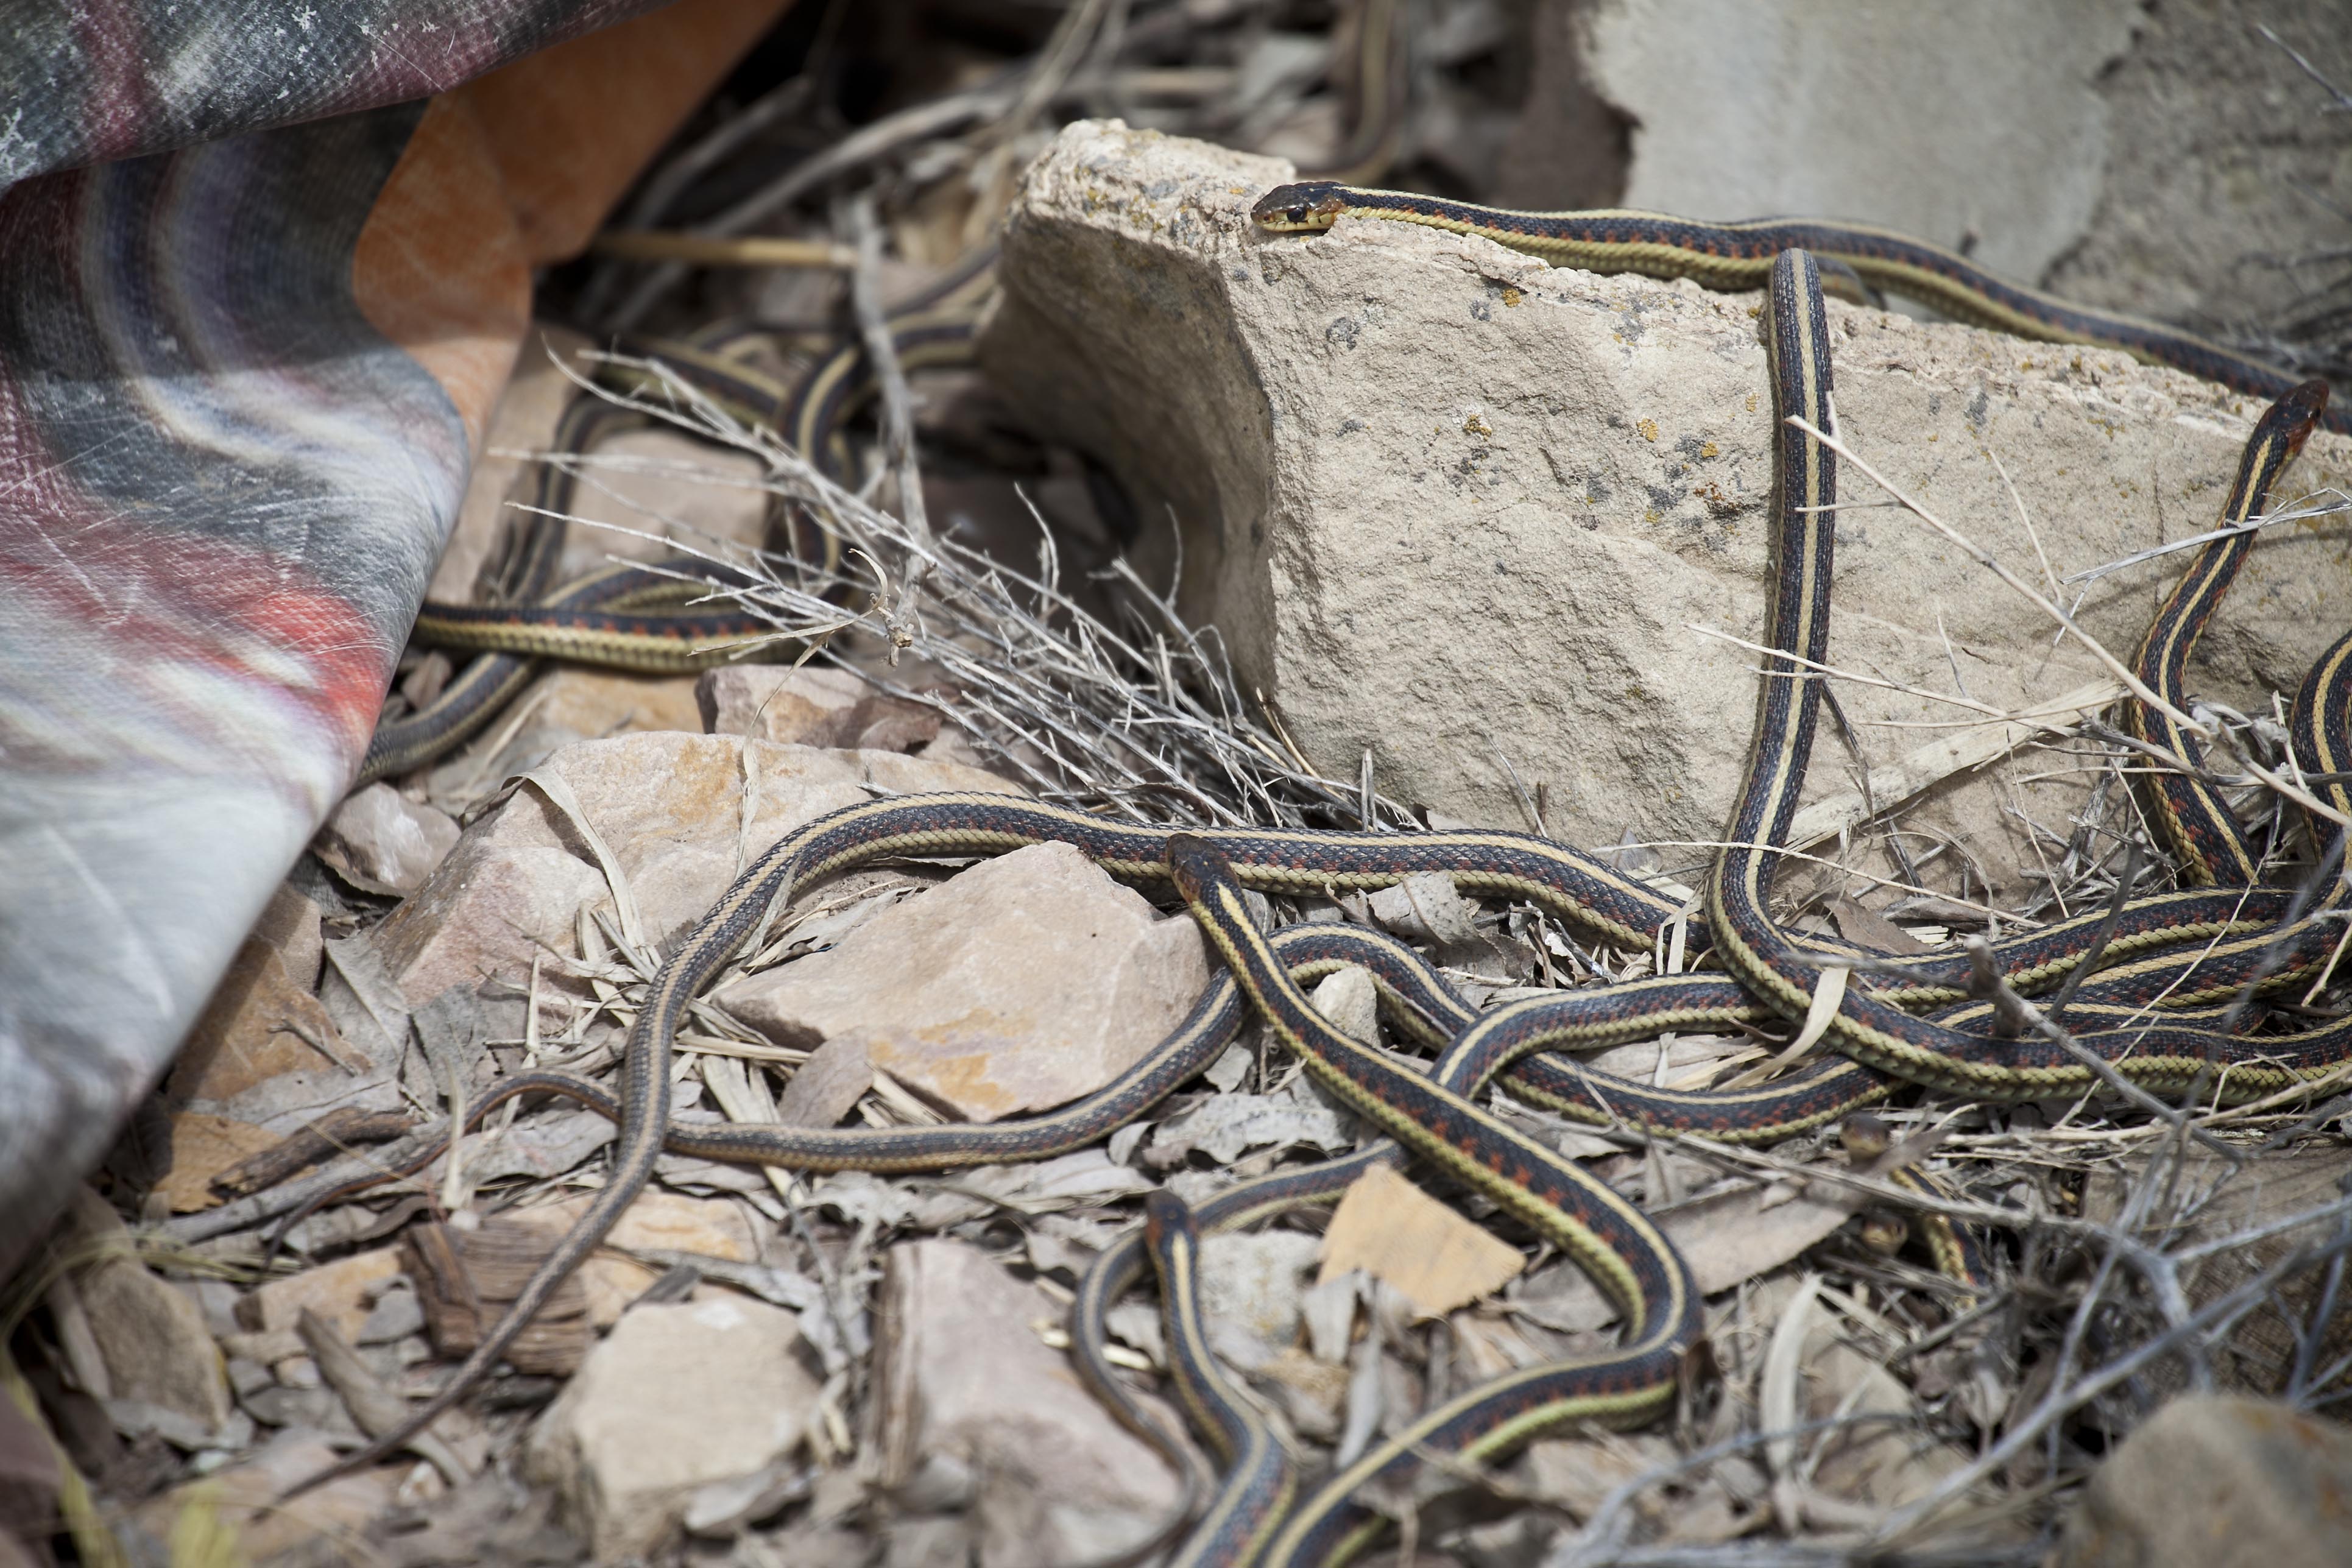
(1736, 256)
(2206, 838)
(1259, 1484)
(1579, 886)
(1611, 1239)
(590, 621)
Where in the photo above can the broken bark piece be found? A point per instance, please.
(466, 1280)
(337, 1133)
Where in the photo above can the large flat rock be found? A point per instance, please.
(977, 1417)
(1018, 984)
(675, 1399)
(672, 809)
(1456, 506)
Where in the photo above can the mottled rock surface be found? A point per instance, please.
(380, 840)
(672, 809)
(983, 1422)
(1456, 506)
(675, 1399)
(1020, 983)
(2219, 1483)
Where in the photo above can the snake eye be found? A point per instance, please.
(1298, 215)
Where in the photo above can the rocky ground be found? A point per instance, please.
(1479, 541)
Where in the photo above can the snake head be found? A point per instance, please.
(1164, 1212)
(1197, 867)
(1301, 208)
(2298, 414)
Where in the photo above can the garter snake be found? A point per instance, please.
(1413, 996)
(1611, 1239)
(2207, 840)
(1735, 256)
(1331, 1524)
(1259, 1484)
(591, 620)
(1748, 940)
(1579, 888)
(1509, 1038)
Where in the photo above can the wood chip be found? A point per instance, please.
(336, 1133)
(465, 1281)
(1433, 1257)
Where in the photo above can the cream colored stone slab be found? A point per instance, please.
(335, 1291)
(658, 1221)
(804, 707)
(1447, 503)
(675, 1399)
(1017, 984)
(380, 840)
(670, 807)
(151, 1334)
(962, 1377)
(593, 703)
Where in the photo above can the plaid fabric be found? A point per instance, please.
(261, 293)
(94, 83)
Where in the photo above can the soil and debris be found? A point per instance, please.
(849, 1369)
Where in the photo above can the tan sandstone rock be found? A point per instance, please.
(1018, 984)
(670, 807)
(1456, 506)
(2219, 1483)
(674, 1399)
(380, 840)
(151, 1334)
(979, 1416)
(811, 707)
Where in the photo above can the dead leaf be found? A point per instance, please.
(1393, 1231)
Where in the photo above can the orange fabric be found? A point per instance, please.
(572, 126)
(517, 168)
(439, 268)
